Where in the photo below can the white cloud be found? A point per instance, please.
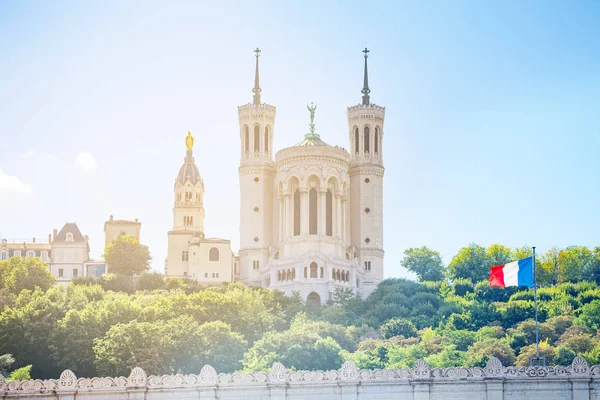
(13, 184)
(86, 161)
(30, 153)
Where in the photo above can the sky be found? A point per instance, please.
(492, 129)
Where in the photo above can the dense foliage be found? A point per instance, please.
(110, 325)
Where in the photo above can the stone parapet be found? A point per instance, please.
(577, 381)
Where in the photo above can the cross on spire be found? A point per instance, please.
(257, 88)
(365, 90)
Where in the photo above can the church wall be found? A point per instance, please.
(177, 244)
(578, 381)
(202, 269)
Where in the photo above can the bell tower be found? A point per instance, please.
(365, 128)
(257, 123)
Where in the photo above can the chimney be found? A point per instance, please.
(49, 238)
(136, 220)
(111, 218)
(55, 233)
(33, 240)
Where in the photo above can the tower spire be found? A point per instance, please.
(365, 90)
(257, 88)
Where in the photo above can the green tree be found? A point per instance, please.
(546, 350)
(590, 315)
(20, 374)
(499, 255)
(398, 327)
(547, 269)
(471, 262)
(18, 273)
(126, 256)
(425, 263)
(572, 262)
(591, 270)
(564, 356)
(161, 347)
(480, 352)
(6, 360)
(151, 281)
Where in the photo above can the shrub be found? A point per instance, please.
(564, 356)
(546, 350)
(397, 327)
(480, 352)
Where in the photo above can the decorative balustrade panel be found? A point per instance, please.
(494, 382)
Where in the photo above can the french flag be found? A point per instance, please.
(516, 273)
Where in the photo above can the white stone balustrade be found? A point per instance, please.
(578, 381)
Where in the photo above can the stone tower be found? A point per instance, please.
(257, 121)
(365, 128)
(188, 213)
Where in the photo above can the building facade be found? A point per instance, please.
(311, 215)
(121, 227)
(190, 254)
(67, 254)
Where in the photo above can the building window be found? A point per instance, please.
(185, 255)
(206, 274)
(256, 138)
(4, 255)
(267, 139)
(356, 140)
(213, 254)
(367, 265)
(17, 253)
(44, 255)
(329, 213)
(31, 253)
(312, 212)
(366, 139)
(60, 272)
(246, 139)
(376, 140)
(314, 268)
(235, 268)
(69, 237)
(297, 213)
(75, 273)
(61, 255)
(75, 254)
(255, 264)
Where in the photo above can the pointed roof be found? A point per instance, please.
(72, 228)
(365, 90)
(257, 88)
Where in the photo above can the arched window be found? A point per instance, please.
(333, 274)
(279, 275)
(338, 275)
(4, 255)
(297, 213)
(366, 138)
(246, 139)
(314, 270)
(376, 149)
(69, 237)
(356, 140)
(322, 273)
(312, 217)
(185, 255)
(305, 272)
(294, 273)
(191, 220)
(266, 139)
(313, 299)
(283, 276)
(213, 254)
(329, 213)
(256, 138)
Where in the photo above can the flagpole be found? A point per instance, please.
(537, 332)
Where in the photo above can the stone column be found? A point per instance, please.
(281, 218)
(494, 389)
(304, 211)
(289, 214)
(344, 219)
(581, 388)
(323, 212)
(338, 215)
(421, 391)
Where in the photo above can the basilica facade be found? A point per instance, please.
(311, 215)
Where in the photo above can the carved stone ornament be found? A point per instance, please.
(137, 378)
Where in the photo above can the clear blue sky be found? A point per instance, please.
(492, 131)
